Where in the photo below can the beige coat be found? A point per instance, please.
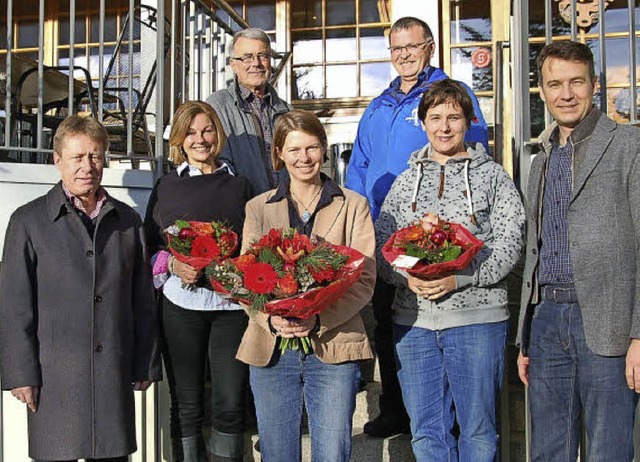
(341, 338)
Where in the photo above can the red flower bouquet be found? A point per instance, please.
(198, 243)
(286, 274)
(431, 248)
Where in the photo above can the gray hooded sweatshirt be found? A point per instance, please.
(473, 186)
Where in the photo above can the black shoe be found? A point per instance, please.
(384, 426)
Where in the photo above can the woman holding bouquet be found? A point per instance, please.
(326, 380)
(197, 324)
(450, 330)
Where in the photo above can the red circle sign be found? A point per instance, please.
(481, 57)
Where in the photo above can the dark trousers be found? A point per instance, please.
(391, 403)
(191, 339)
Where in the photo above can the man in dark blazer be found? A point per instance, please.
(579, 324)
(78, 324)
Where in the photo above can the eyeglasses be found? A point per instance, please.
(249, 57)
(411, 47)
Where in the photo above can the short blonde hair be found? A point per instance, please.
(297, 120)
(181, 122)
(79, 125)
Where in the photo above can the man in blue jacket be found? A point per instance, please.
(388, 133)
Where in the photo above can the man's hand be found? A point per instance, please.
(142, 386)
(28, 395)
(633, 365)
(523, 368)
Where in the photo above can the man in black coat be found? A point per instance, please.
(78, 323)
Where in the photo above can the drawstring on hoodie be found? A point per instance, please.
(416, 186)
(472, 216)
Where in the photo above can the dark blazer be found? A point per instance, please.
(78, 319)
(604, 232)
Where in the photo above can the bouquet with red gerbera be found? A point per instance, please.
(198, 243)
(431, 248)
(287, 274)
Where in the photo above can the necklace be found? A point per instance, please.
(306, 215)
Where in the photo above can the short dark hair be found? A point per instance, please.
(408, 22)
(297, 120)
(79, 125)
(566, 50)
(182, 120)
(447, 91)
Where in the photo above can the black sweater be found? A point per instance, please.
(218, 196)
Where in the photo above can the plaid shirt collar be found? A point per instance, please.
(101, 199)
(248, 96)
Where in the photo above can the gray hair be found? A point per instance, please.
(408, 22)
(252, 33)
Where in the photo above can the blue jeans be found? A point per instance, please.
(566, 377)
(292, 381)
(447, 376)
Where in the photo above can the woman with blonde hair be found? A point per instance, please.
(198, 325)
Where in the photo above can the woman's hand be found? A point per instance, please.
(187, 273)
(431, 289)
(293, 327)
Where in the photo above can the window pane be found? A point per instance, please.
(369, 11)
(307, 47)
(617, 61)
(342, 81)
(537, 115)
(27, 34)
(620, 104)
(536, 19)
(262, 15)
(306, 13)
(341, 45)
(3, 33)
(341, 12)
(471, 22)
(373, 44)
(473, 66)
(307, 83)
(110, 28)
(374, 77)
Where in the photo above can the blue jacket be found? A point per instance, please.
(389, 132)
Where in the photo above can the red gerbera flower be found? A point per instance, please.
(205, 246)
(288, 284)
(260, 278)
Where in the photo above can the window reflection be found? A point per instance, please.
(342, 81)
(470, 22)
(307, 47)
(374, 78)
(469, 70)
(342, 45)
(306, 13)
(307, 83)
(27, 34)
(369, 11)
(262, 16)
(373, 44)
(340, 12)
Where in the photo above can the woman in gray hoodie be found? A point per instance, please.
(450, 332)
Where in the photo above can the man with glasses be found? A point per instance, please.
(388, 133)
(248, 109)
